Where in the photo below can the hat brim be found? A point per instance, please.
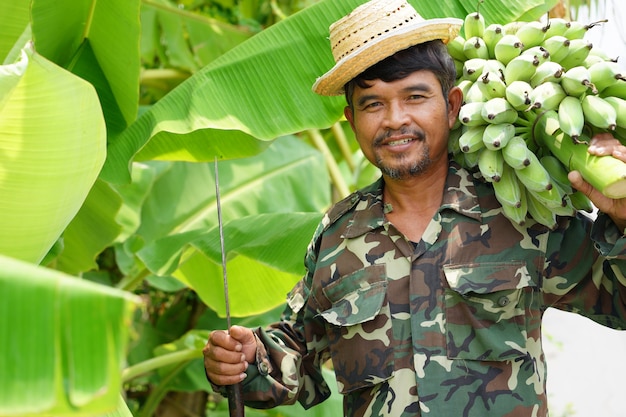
(332, 83)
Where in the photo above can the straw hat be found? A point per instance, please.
(374, 31)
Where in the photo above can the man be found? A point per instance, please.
(426, 298)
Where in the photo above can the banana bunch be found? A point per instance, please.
(512, 73)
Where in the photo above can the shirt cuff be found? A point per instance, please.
(608, 239)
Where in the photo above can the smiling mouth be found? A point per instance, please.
(399, 142)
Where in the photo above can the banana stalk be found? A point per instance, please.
(605, 173)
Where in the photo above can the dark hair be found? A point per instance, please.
(431, 56)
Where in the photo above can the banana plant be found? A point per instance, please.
(233, 104)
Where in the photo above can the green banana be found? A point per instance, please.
(547, 96)
(577, 30)
(516, 153)
(532, 33)
(492, 84)
(539, 52)
(471, 140)
(455, 48)
(557, 172)
(470, 114)
(534, 176)
(473, 68)
(517, 214)
(493, 65)
(518, 95)
(581, 202)
(498, 110)
(496, 136)
(619, 104)
(464, 84)
(578, 50)
(603, 74)
(507, 48)
(617, 89)
(512, 27)
(475, 47)
(508, 190)
(547, 71)
(453, 139)
(597, 55)
(554, 198)
(556, 26)
(599, 113)
(576, 81)
(474, 23)
(539, 212)
(471, 159)
(492, 34)
(557, 46)
(571, 117)
(522, 68)
(475, 93)
(491, 164)
(458, 66)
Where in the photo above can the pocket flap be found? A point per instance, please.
(357, 297)
(483, 278)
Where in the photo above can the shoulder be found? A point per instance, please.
(350, 204)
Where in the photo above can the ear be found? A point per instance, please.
(455, 100)
(349, 114)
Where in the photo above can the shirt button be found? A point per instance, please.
(264, 368)
(503, 301)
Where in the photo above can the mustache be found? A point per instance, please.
(418, 134)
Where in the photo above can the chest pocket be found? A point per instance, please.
(359, 328)
(487, 308)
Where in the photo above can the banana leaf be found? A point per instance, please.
(111, 29)
(76, 334)
(50, 154)
(257, 194)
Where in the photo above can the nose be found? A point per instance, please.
(396, 116)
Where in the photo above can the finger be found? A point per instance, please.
(225, 380)
(225, 374)
(579, 183)
(224, 367)
(220, 355)
(242, 334)
(596, 197)
(604, 144)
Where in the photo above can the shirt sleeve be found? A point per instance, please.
(585, 270)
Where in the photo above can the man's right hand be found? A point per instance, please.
(226, 357)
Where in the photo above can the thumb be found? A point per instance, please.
(579, 183)
(596, 197)
(245, 336)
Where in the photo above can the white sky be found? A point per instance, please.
(610, 36)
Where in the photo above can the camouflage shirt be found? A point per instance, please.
(448, 326)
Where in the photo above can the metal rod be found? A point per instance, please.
(235, 392)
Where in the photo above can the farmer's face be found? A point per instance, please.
(402, 126)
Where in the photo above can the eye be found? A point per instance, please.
(416, 97)
(371, 105)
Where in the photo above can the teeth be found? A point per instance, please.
(399, 142)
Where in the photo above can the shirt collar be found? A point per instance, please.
(459, 195)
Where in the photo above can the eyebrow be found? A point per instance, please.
(423, 87)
